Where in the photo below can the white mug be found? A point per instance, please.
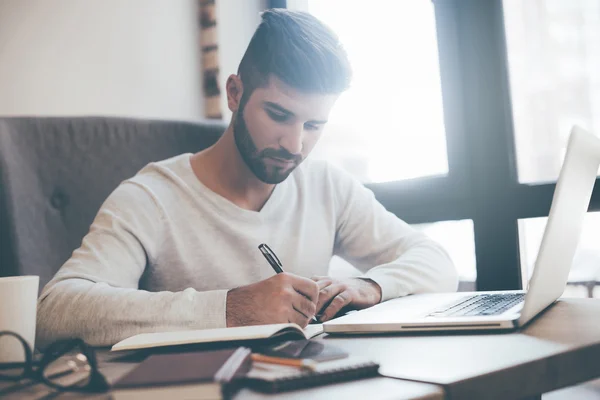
(18, 309)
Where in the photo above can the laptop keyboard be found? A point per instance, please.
(481, 304)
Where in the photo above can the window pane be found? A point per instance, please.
(389, 125)
(554, 68)
(458, 240)
(585, 270)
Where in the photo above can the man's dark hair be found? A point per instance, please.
(298, 49)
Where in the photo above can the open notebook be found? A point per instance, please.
(254, 332)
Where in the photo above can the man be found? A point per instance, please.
(175, 247)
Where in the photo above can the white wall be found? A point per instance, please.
(236, 22)
(107, 57)
(135, 58)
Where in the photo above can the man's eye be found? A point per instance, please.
(311, 127)
(275, 116)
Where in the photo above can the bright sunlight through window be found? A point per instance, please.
(389, 126)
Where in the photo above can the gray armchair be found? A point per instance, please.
(55, 172)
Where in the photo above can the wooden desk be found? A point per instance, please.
(558, 349)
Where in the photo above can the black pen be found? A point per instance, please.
(274, 262)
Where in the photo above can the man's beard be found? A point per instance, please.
(254, 159)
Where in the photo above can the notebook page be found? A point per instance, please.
(148, 340)
(313, 330)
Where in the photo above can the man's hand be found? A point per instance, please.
(282, 298)
(348, 294)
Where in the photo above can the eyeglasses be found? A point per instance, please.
(66, 365)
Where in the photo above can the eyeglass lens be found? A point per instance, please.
(69, 370)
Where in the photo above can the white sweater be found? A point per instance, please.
(164, 250)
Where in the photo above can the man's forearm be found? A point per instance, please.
(369, 290)
(425, 267)
(103, 315)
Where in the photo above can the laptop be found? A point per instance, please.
(500, 310)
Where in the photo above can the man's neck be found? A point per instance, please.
(222, 169)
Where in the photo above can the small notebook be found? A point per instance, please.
(242, 333)
(201, 375)
(270, 378)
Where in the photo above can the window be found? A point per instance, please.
(512, 77)
(554, 68)
(456, 237)
(389, 126)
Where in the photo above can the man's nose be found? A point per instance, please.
(292, 139)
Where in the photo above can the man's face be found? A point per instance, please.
(277, 127)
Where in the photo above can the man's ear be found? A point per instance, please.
(235, 89)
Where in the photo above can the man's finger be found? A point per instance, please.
(323, 283)
(304, 306)
(327, 294)
(298, 318)
(340, 301)
(306, 287)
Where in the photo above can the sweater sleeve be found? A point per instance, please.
(386, 249)
(95, 295)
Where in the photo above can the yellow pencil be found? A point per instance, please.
(292, 362)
